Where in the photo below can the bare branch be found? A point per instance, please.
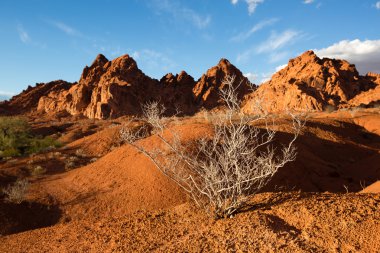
(220, 171)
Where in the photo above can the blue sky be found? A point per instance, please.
(45, 40)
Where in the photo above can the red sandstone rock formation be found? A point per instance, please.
(118, 87)
(28, 99)
(311, 83)
(370, 96)
(206, 91)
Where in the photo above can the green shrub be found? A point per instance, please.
(10, 152)
(16, 138)
(14, 135)
(37, 145)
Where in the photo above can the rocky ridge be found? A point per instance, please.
(108, 89)
(29, 98)
(311, 83)
(118, 87)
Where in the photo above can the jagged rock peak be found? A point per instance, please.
(311, 83)
(184, 77)
(99, 60)
(124, 61)
(305, 58)
(206, 91)
(309, 54)
(224, 61)
(179, 79)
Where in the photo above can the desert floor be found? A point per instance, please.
(99, 195)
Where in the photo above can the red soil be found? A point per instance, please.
(122, 203)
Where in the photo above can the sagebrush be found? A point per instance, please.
(16, 193)
(219, 171)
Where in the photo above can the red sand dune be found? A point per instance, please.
(373, 188)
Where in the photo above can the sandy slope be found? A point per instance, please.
(373, 188)
(122, 181)
(122, 203)
(293, 222)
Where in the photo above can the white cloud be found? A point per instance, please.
(308, 1)
(377, 5)
(181, 12)
(277, 41)
(265, 77)
(252, 4)
(245, 35)
(364, 54)
(23, 34)
(278, 68)
(251, 77)
(66, 28)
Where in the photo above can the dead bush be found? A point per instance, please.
(16, 193)
(221, 170)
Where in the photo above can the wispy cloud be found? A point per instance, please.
(364, 54)
(252, 77)
(278, 68)
(244, 56)
(66, 28)
(267, 76)
(180, 12)
(377, 5)
(308, 1)
(245, 35)
(278, 41)
(252, 4)
(272, 45)
(23, 34)
(154, 60)
(258, 78)
(278, 56)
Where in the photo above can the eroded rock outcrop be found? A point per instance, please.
(176, 92)
(206, 91)
(118, 87)
(28, 99)
(105, 89)
(311, 83)
(369, 97)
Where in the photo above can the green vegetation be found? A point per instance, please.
(16, 138)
